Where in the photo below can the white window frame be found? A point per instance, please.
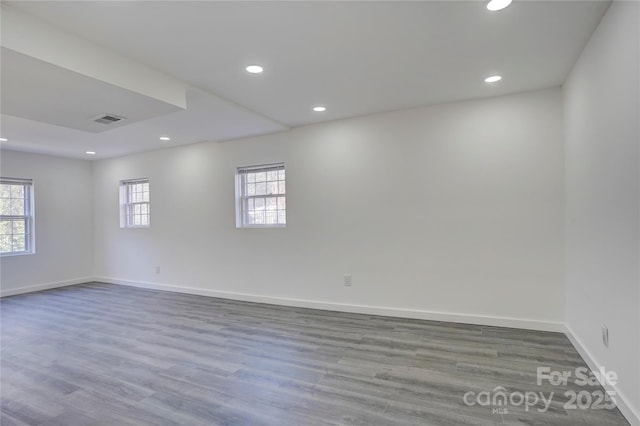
(242, 197)
(127, 205)
(28, 216)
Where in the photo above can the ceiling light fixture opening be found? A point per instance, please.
(319, 109)
(495, 5)
(4, 140)
(90, 152)
(493, 79)
(254, 69)
(165, 138)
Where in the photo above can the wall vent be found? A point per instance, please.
(107, 118)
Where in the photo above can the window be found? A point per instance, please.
(134, 203)
(16, 216)
(261, 196)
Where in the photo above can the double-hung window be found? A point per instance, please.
(135, 210)
(261, 196)
(16, 216)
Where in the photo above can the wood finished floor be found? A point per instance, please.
(101, 354)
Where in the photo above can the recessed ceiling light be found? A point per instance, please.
(319, 109)
(495, 5)
(493, 79)
(165, 138)
(91, 152)
(4, 140)
(254, 69)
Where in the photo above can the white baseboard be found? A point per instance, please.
(627, 409)
(351, 308)
(43, 286)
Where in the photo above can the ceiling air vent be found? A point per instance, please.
(107, 118)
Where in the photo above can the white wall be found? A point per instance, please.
(452, 209)
(63, 223)
(602, 113)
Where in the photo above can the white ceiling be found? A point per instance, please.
(356, 58)
(35, 89)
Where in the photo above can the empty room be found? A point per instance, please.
(320, 213)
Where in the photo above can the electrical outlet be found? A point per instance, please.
(347, 280)
(605, 336)
(157, 269)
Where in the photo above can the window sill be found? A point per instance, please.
(261, 227)
(22, 253)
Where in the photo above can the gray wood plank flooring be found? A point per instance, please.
(102, 354)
